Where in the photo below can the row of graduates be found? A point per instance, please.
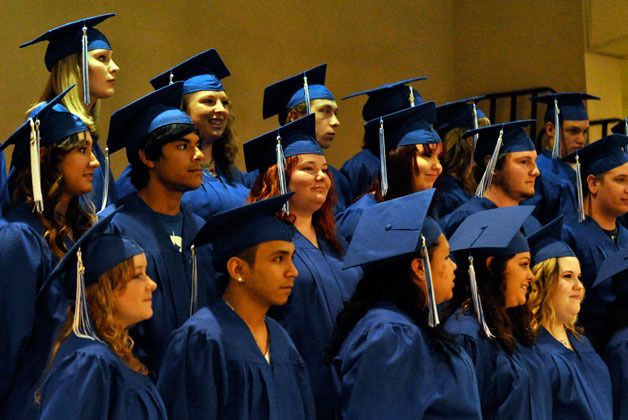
(154, 218)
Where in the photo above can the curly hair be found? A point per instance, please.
(80, 214)
(267, 185)
(546, 275)
(509, 325)
(102, 313)
(398, 288)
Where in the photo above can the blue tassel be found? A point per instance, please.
(477, 303)
(194, 291)
(556, 148)
(432, 310)
(476, 125)
(487, 177)
(281, 172)
(581, 215)
(306, 93)
(383, 169)
(85, 66)
(105, 193)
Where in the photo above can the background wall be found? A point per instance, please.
(466, 47)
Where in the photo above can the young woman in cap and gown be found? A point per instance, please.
(455, 186)
(210, 108)
(362, 169)
(78, 53)
(491, 320)
(581, 385)
(230, 360)
(322, 286)
(93, 373)
(45, 217)
(391, 356)
(411, 147)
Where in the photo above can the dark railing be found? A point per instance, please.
(605, 124)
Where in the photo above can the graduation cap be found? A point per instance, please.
(613, 265)
(75, 37)
(130, 124)
(282, 96)
(621, 127)
(237, 229)
(546, 242)
(563, 106)
(396, 228)
(47, 124)
(496, 232)
(462, 113)
(389, 98)
(200, 72)
(91, 256)
(597, 158)
(410, 126)
(494, 140)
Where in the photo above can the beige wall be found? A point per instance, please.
(604, 80)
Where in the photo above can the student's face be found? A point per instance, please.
(310, 182)
(574, 136)
(517, 176)
(77, 167)
(443, 269)
(179, 169)
(428, 167)
(569, 290)
(611, 190)
(210, 112)
(271, 278)
(133, 300)
(517, 277)
(326, 115)
(102, 74)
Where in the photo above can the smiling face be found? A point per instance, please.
(102, 74)
(427, 166)
(77, 167)
(133, 298)
(310, 182)
(209, 110)
(568, 291)
(517, 278)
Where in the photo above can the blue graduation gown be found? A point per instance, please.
(511, 386)
(617, 361)
(360, 170)
(4, 187)
(347, 220)
(591, 245)
(124, 186)
(320, 291)
(341, 186)
(98, 183)
(387, 370)
(450, 195)
(169, 268)
(29, 315)
(581, 384)
(213, 369)
(88, 381)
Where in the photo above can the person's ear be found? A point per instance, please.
(142, 155)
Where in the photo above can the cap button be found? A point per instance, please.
(388, 226)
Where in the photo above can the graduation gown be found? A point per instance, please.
(29, 315)
(347, 220)
(450, 195)
(320, 291)
(617, 361)
(591, 245)
(213, 369)
(581, 384)
(341, 186)
(511, 386)
(388, 370)
(4, 187)
(360, 171)
(88, 381)
(98, 183)
(169, 268)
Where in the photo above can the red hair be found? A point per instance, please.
(267, 185)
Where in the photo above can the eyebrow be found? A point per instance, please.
(280, 252)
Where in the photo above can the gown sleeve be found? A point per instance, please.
(617, 362)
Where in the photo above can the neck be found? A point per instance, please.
(160, 198)
(558, 331)
(64, 202)
(597, 213)
(251, 310)
(303, 223)
(91, 105)
(498, 196)
(208, 152)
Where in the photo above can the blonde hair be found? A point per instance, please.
(64, 74)
(544, 285)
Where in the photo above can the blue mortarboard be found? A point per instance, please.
(65, 40)
(237, 229)
(602, 155)
(546, 242)
(282, 96)
(495, 232)
(621, 127)
(297, 138)
(200, 72)
(614, 264)
(570, 105)
(389, 98)
(130, 125)
(462, 113)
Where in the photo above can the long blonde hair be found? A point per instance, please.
(544, 286)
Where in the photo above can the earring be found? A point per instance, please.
(240, 280)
